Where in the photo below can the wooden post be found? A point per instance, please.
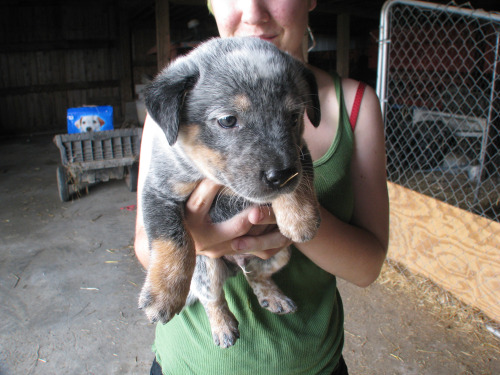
(343, 42)
(125, 63)
(162, 33)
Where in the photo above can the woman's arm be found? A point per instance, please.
(356, 251)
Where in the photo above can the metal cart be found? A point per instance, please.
(88, 158)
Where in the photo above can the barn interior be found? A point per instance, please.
(69, 279)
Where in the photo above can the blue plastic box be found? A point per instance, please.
(90, 119)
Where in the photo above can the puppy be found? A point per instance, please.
(89, 123)
(231, 111)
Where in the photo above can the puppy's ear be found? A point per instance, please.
(313, 109)
(164, 97)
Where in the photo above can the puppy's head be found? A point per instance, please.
(235, 107)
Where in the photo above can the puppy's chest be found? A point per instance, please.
(225, 206)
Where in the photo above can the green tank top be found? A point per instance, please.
(308, 341)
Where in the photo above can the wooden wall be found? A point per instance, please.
(456, 249)
(55, 55)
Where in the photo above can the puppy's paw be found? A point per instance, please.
(223, 324)
(159, 305)
(226, 334)
(278, 304)
(299, 226)
(297, 219)
(269, 295)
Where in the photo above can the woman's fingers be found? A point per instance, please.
(209, 238)
(261, 215)
(252, 231)
(267, 241)
(201, 198)
(266, 254)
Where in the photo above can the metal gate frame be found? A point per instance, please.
(384, 40)
(383, 70)
(438, 81)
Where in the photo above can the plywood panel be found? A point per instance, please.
(456, 249)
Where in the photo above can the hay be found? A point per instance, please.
(449, 311)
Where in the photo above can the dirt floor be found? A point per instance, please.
(69, 283)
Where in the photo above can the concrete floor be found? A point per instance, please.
(69, 283)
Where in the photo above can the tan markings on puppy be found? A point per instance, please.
(223, 324)
(217, 278)
(206, 159)
(222, 321)
(169, 278)
(270, 266)
(297, 213)
(270, 296)
(258, 275)
(185, 188)
(242, 102)
(211, 158)
(188, 133)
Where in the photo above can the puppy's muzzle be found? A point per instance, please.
(279, 178)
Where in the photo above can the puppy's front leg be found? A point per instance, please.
(297, 213)
(172, 260)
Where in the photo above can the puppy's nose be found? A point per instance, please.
(279, 178)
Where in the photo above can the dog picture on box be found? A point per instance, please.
(89, 123)
(89, 119)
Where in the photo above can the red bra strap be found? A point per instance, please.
(357, 104)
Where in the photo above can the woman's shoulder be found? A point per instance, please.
(327, 86)
(350, 87)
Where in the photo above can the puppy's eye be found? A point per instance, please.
(227, 121)
(295, 120)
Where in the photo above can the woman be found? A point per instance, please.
(349, 162)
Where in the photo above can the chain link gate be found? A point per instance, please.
(439, 86)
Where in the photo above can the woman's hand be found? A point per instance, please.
(252, 231)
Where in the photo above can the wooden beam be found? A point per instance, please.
(58, 87)
(456, 249)
(369, 9)
(189, 2)
(162, 33)
(126, 79)
(57, 45)
(343, 42)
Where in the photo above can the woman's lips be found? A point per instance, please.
(269, 38)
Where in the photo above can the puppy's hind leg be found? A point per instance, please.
(258, 272)
(172, 258)
(167, 281)
(207, 285)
